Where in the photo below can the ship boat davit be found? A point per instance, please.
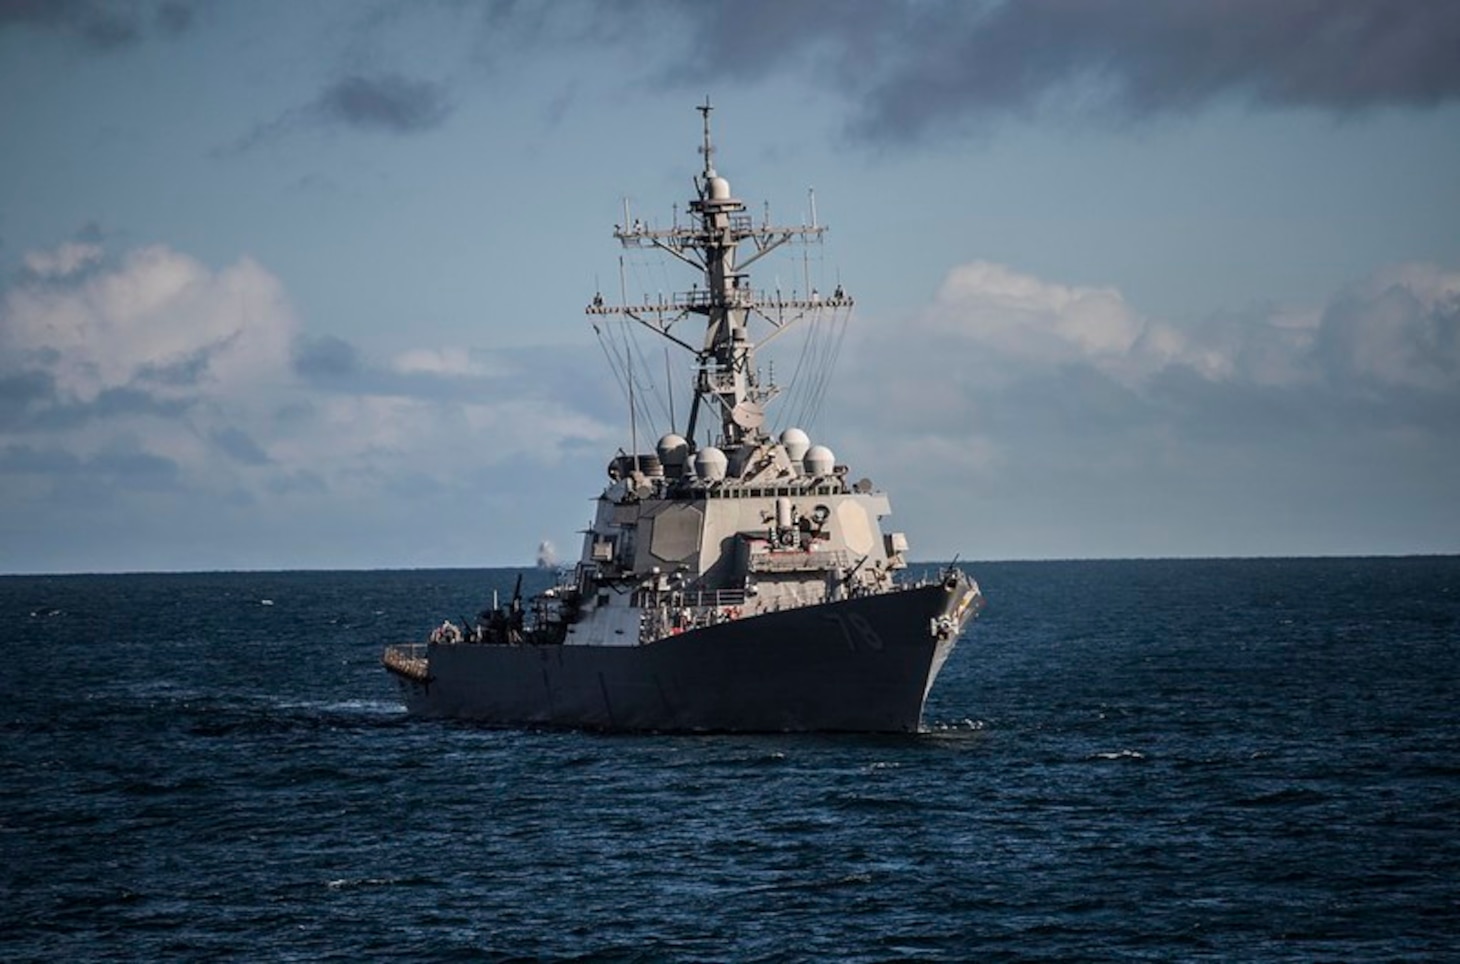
(736, 584)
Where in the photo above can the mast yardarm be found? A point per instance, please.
(726, 382)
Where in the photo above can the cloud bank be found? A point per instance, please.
(1397, 329)
(155, 411)
(1064, 407)
(911, 70)
(96, 24)
(151, 396)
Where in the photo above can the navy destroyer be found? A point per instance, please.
(733, 580)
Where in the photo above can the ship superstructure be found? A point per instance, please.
(739, 583)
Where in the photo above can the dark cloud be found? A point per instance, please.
(25, 387)
(1136, 60)
(184, 372)
(174, 16)
(381, 102)
(134, 401)
(913, 68)
(139, 469)
(94, 476)
(31, 401)
(388, 102)
(27, 460)
(98, 24)
(326, 357)
(744, 40)
(1392, 336)
(239, 446)
(19, 392)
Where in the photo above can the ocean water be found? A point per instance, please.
(1251, 760)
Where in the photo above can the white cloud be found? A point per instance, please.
(1399, 328)
(1061, 408)
(449, 362)
(1396, 328)
(1024, 320)
(156, 373)
(1021, 315)
(65, 260)
(156, 391)
(159, 319)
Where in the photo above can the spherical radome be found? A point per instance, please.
(796, 442)
(819, 460)
(710, 464)
(673, 450)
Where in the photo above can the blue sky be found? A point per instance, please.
(301, 285)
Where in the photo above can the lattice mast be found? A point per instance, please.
(727, 383)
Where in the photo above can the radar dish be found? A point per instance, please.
(863, 486)
(748, 415)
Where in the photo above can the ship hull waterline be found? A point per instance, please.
(858, 665)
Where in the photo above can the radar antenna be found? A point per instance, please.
(727, 382)
(708, 149)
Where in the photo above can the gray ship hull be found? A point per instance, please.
(864, 665)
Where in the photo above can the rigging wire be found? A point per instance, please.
(796, 390)
(819, 348)
(648, 273)
(645, 383)
(613, 361)
(840, 324)
(643, 268)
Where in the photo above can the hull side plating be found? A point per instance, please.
(862, 665)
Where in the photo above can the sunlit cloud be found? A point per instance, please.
(1058, 402)
(154, 372)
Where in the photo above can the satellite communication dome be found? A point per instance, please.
(819, 460)
(673, 450)
(719, 189)
(710, 464)
(796, 443)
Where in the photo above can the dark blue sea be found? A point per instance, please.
(1253, 760)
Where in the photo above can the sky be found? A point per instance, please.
(301, 285)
